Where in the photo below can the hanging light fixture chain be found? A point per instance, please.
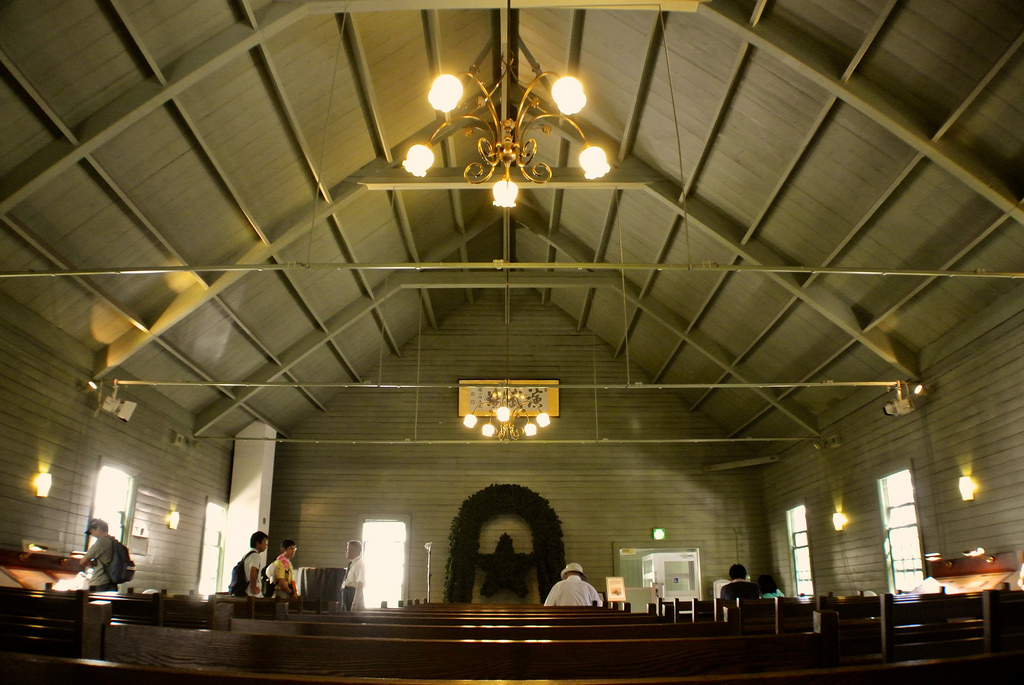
(679, 143)
(318, 179)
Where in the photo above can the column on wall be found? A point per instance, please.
(252, 477)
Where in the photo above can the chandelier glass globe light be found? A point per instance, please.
(506, 142)
(510, 414)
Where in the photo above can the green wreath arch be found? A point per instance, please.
(464, 539)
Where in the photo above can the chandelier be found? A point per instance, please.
(506, 141)
(508, 411)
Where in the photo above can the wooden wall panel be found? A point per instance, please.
(45, 419)
(603, 493)
(971, 422)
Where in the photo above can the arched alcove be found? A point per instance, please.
(494, 500)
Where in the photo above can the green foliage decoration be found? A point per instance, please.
(505, 569)
(494, 500)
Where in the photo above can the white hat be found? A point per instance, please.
(573, 567)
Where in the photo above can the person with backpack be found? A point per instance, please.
(100, 555)
(281, 572)
(245, 576)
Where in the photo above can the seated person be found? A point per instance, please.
(738, 586)
(769, 590)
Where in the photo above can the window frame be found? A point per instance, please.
(128, 515)
(221, 547)
(915, 569)
(794, 547)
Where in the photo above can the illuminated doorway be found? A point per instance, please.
(384, 554)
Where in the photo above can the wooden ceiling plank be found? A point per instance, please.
(37, 98)
(671, 320)
(825, 303)
(870, 101)
(365, 305)
(738, 68)
(186, 302)
(313, 166)
(401, 216)
(649, 281)
(59, 260)
(117, 116)
(655, 40)
(336, 6)
(600, 254)
(999, 65)
(364, 87)
(432, 36)
(869, 39)
(137, 44)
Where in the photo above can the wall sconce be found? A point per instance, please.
(172, 520)
(839, 520)
(658, 533)
(967, 488)
(43, 482)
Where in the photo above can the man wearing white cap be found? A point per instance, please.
(573, 590)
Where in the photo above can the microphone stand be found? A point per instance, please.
(427, 546)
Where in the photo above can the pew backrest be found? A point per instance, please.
(23, 668)
(468, 632)
(931, 626)
(794, 614)
(1004, 620)
(467, 659)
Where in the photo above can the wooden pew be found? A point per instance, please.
(54, 623)
(860, 627)
(707, 610)
(750, 616)
(461, 612)
(1004, 620)
(22, 668)
(401, 618)
(469, 607)
(931, 626)
(794, 614)
(471, 632)
(471, 659)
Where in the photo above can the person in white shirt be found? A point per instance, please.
(573, 590)
(355, 577)
(258, 542)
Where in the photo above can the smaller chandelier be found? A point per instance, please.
(506, 142)
(508, 411)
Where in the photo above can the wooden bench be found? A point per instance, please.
(769, 616)
(471, 659)
(471, 632)
(402, 618)
(54, 623)
(794, 614)
(750, 616)
(931, 626)
(707, 610)
(461, 611)
(21, 668)
(1004, 620)
(860, 627)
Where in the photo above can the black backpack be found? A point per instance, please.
(267, 584)
(240, 581)
(122, 568)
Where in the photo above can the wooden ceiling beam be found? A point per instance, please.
(870, 100)
(140, 101)
(678, 325)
